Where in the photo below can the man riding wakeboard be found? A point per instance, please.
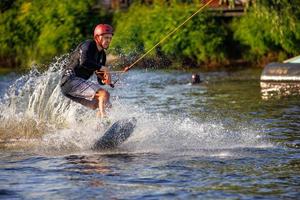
(88, 58)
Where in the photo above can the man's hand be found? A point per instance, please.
(104, 75)
(126, 68)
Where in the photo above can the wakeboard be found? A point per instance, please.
(116, 134)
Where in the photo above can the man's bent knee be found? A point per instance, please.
(102, 94)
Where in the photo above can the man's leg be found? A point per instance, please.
(103, 101)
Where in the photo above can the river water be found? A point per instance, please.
(216, 140)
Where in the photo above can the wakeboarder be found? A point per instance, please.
(87, 59)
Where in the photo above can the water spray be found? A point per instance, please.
(126, 69)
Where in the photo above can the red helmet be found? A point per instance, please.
(101, 29)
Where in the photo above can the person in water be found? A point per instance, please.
(196, 79)
(87, 59)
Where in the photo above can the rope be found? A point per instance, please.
(163, 39)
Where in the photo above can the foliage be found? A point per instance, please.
(36, 31)
(142, 26)
(270, 26)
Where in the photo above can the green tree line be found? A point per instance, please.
(270, 27)
(35, 31)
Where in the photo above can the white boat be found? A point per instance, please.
(281, 79)
(289, 70)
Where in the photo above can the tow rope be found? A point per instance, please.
(126, 69)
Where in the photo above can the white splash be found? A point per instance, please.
(35, 101)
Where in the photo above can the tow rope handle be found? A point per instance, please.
(126, 69)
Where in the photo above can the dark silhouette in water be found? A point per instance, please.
(196, 79)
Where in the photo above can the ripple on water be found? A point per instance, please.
(213, 141)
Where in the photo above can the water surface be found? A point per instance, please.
(216, 140)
